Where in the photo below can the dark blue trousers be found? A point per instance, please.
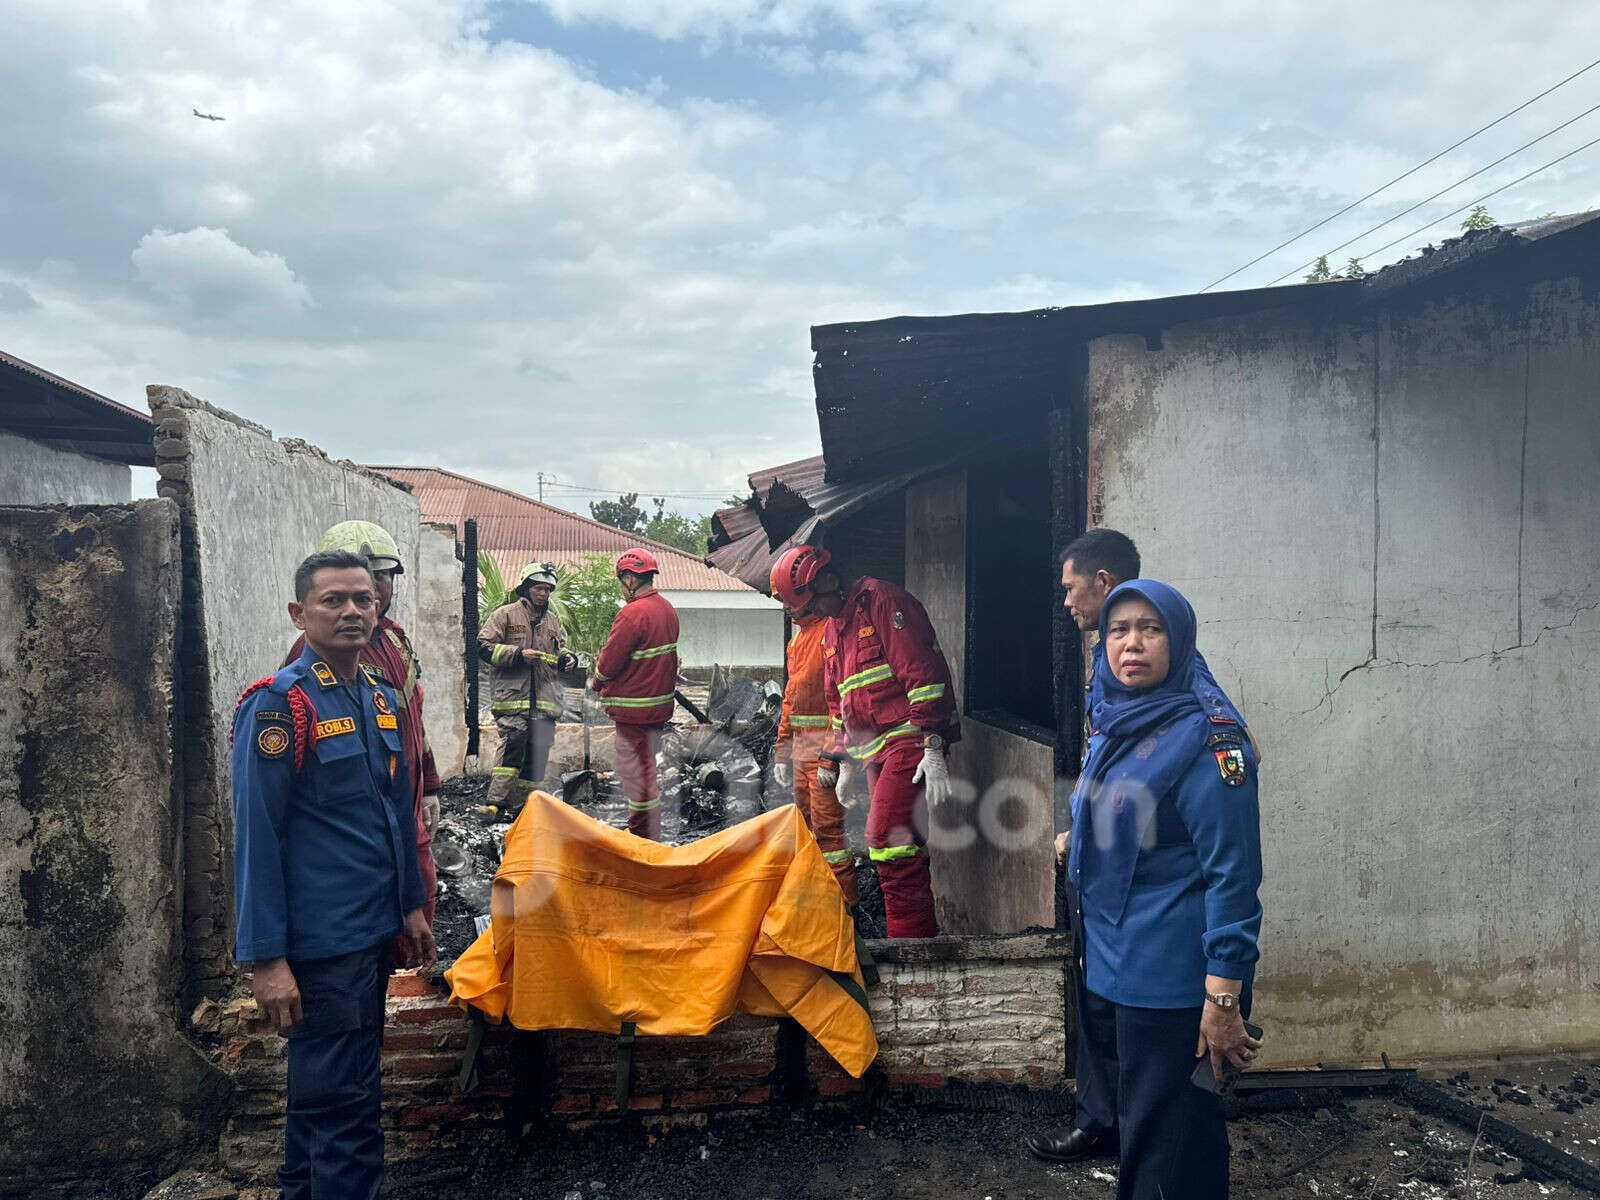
(333, 1144)
(1172, 1141)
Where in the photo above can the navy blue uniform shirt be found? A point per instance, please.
(325, 857)
(1192, 908)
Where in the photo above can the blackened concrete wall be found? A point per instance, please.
(993, 866)
(33, 473)
(1387, 527)
(93, 1073)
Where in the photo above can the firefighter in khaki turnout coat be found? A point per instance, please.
(891, 710)
(523, 644)
(802, 737)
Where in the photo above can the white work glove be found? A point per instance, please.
(430, 812)
(783, 772)
(933, 773)
(831, 777)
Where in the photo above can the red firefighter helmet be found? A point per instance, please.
(640, 562)
(793, 574)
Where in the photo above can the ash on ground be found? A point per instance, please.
(1369, 1148)
(712, 776)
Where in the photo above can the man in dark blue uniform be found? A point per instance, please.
(325, 875)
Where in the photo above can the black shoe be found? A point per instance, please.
(1072, 1145)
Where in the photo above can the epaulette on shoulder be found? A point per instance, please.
(301, 712)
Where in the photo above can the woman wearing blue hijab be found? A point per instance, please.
(1166, 858)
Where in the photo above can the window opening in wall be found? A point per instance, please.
(1011, 585)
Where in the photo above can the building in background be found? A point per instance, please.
(61, 443)
(1381, 495)
(723, 621)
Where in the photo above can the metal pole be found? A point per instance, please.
(469, 625)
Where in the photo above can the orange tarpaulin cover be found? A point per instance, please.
(592, 927)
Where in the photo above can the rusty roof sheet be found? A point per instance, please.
(517, 529)
(794, 504)
(42, 406)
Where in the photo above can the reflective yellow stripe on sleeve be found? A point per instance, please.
(656, 651)
(865, 678)
(636, 701)
(809, 722)
(868, 749)
(837, 856)
(932, 691)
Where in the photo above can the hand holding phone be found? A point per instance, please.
(1205, 1078)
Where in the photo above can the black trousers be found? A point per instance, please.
(333, 1142)
(1136, 1062)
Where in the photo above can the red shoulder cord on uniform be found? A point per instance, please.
(300, 712)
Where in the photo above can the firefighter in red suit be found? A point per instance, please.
(391, 654)
(636, 675)
(892, 710)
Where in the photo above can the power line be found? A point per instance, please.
(1406, 175)
(1440, 192)
(1481, 199)
(650, 492)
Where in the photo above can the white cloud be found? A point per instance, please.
(210, 271)
(409, 241)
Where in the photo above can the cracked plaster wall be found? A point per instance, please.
(1388, 530)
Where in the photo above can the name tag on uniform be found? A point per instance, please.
(388, 721)
(336, 726)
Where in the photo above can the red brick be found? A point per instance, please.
(412, 985)
(741, 1069)
(394, 1043)
(585, 1078)
(755, 1095)
(644, 1103)
(703, 1098)
(422, 1066)
(572, 1103)
(429, 1015)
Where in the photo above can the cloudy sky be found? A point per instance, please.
(588, 237)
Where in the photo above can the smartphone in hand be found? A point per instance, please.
(1206, 1079)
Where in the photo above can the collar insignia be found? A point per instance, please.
(324, 674)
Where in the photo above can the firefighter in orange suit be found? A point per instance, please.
(636, 676)
(802, 737)
(891, 709)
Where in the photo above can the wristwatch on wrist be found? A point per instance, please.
(932, 741)
(1226, 1001)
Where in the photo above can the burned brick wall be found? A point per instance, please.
(93, 1072)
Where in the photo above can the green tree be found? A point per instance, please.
(622, 513)
(590, 600)
(1478, 218)
(675, 529)
(1354, 270)
(1321, 272)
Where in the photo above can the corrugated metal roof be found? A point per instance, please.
(794, 504)
(42, 406)
(517, 529)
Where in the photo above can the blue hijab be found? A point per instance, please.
(1150, 739)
